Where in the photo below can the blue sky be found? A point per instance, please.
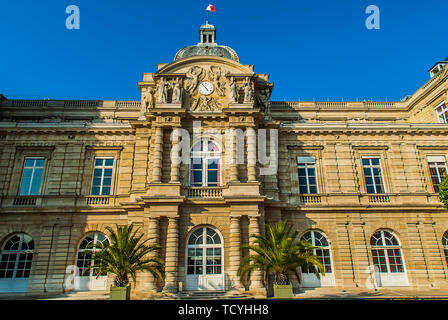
(311, 49)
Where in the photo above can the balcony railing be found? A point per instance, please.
(379, 199)
(203, 192)
(59, 201)
(24, 201)
(310, 199)
(97, 200)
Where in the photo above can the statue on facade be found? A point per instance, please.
(248, 91)
(233, 94)
(177, 92)
(263, 99)
(162, 91)
(148, 99)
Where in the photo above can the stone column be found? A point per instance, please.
(172, 253)
(149, 282)
(233, 165)
(235, 252)
(251, 154)
(256, 279)
(157, 162)
(175, 159)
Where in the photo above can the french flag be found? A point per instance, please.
(211, 8)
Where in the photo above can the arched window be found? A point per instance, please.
(317, 239)
(16, 257)
(85, 260)
(205, 170)
(445, 245)
(386, 252)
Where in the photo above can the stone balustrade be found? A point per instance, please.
(66, 201)
(203, 192)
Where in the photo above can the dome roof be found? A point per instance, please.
(212, 50)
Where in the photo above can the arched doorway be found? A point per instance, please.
(388, 260)
(323, 251)
(90, 280)
(15, 263)
(205, 260)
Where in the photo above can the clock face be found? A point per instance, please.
(206, 88)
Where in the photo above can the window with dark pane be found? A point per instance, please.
(16, 257)
(32, 176)
(386, 252)
(205, 166)
(86, 254)
(442, 113)
(306, 169)
(373, 175)
(437, 169)
(320, 241)
(102, 176)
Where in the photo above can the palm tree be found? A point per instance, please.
(443, 192)
(278, 254)
(125, 255)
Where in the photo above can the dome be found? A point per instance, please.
(207, 46)
(201, 50)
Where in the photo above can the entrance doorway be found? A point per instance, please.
(205, 263)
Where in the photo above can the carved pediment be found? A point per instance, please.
(209, 84)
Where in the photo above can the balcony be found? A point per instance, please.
(25, 201)
(52, 201)
(310, 199)
(203, 192)
(381, 198)
(329, 200)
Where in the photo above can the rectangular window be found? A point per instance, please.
(306, 167)
(213, 172)
(373, 175)
(205, 172)
(32, 175)
(196, 172)
(437, 167)
(102, 176)
(442, 113)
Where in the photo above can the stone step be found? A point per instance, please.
(210, 295)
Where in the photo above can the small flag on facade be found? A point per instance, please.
(211, 8)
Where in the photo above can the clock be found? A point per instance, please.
(206, 88)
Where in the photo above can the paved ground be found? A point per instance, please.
(382, 293)
(319, 293)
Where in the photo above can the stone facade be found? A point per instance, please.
(153, 191)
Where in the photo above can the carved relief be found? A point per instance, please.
(193, 77)
(216, 75)
(206, 104)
